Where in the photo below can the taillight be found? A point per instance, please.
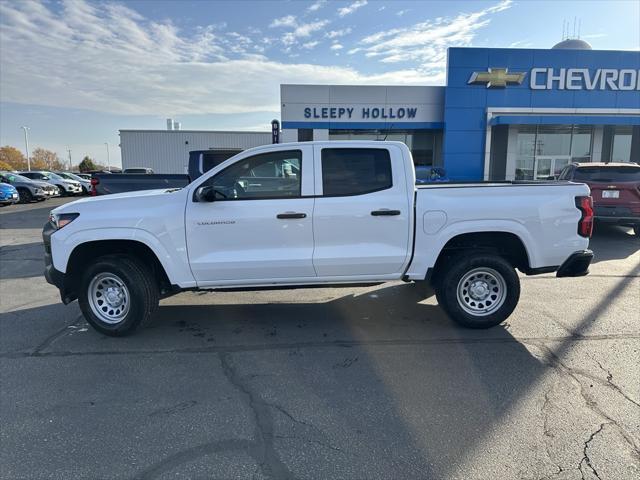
(585, 225)
(94, 182)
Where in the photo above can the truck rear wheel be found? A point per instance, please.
(478, 290)
(117, 294)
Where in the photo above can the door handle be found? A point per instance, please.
(290, 215)
(386, 213)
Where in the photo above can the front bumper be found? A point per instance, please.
(10, 199)
(51, 275)
(577, 265)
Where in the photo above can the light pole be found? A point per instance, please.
(108, 159)
(26, 146)
(69, 151)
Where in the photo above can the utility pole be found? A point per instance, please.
(108, 159)
(26, 146)
(69, 151)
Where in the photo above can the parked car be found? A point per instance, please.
(312, 214)
(85, 176)
(146, 171)
(107, 183)
(28, 189)
(430, 175)
(615, 188)
(84, 183)
(200, 162)
(8, 194)
(66, 186)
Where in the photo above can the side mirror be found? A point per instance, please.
(205, 194)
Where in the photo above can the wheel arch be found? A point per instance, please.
(87, 252)
(505, 244)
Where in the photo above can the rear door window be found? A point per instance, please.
(355, 171)
(607, 174)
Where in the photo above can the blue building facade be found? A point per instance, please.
(503, 113)
(539, 105)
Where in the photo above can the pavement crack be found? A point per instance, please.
(47, 342)
(226, 349)
(554, 361)
(310, 440)
(262, 449)
(586, 460)
(614, 386)
(548, 436)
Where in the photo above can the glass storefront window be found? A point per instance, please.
(542, 151)
(581, 143)
(525, 149)
(553, 140)
(420, 142)
(621, 150)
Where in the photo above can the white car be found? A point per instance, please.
(66, 186)
(313, 214)
(84, 183)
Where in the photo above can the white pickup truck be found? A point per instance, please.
(316, 214)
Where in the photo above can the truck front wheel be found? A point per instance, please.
(478, 290)
(117, 294)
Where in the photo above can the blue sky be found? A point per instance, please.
(76, 71)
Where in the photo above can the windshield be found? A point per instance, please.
(607, 174)
(70, 176)
(53, 175)
(12, 177)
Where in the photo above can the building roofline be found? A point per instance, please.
(268, 132)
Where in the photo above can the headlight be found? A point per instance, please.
(60, 220)
(38, 190)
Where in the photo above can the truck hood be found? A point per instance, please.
(117, 200)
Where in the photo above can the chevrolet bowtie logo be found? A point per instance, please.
(497, 78)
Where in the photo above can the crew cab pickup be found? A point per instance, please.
(316, 214)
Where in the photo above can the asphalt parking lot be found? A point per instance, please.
(322, 383)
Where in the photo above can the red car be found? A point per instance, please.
(615, 189)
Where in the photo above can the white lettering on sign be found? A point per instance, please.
(584, 79)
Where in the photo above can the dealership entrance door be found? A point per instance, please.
(548, 166)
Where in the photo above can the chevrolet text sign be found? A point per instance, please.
(584, 79)
(561, 78)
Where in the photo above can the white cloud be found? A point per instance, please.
(344, 11)
(426, 43)
(317, 5)
(306, 29)
(109, 58)
(338, 33)
(287, 21)
(400, 13)
(300, 30)
(310, 45)
(336, 46)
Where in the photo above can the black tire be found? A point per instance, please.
(140, 284)
(25, 195)
(488, 273)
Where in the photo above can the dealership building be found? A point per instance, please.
(503, 113)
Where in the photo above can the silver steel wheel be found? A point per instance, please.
(109, 298)
(481, 291)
